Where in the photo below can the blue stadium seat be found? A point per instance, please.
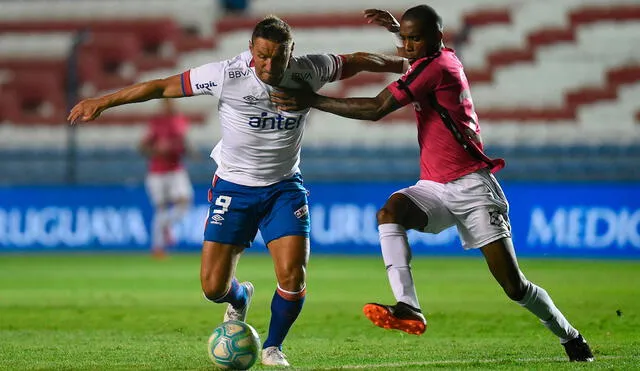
(531, 162)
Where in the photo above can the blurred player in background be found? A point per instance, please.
(257, 184)
(167, 181)
(456, 184)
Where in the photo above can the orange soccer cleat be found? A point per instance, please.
(401, 317)
(158, 253)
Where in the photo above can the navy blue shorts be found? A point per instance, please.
(237, 212)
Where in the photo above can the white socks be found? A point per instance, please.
(538, 302)
(397, 256)
(178, 211)
(163, 219)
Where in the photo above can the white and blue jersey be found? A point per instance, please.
(260, 145)
(257, 184)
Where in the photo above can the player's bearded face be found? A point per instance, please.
(270, 59)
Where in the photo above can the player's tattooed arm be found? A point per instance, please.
(358, 62)
(371, 109)
(90, 109)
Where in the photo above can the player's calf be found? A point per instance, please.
(400, 316)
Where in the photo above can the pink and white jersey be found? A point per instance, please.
(446, 119)
(166, 133)
(260, 145)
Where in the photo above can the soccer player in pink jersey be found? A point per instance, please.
(456, 185)
(167, 181)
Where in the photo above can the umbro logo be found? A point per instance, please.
(250, 99)
(496, 218)
(216, 219)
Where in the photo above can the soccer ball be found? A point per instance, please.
(234, 345)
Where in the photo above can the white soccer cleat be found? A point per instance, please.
(272, 356)
(240, 314)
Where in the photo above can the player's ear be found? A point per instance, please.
(251, 46)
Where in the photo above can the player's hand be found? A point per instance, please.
(286, 99)
(292, 99)
(86, 110)
(382, 18)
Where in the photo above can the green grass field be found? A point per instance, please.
(126, 312)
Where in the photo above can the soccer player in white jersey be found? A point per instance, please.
(456, 184)
(257, 184)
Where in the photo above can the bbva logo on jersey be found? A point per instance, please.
(278, 122)
(233, 74)
(304, 76)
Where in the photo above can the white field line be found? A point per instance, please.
(457, 362)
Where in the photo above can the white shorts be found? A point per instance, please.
(474, 203)
(165, 188)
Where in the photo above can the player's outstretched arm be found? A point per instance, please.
(361, 61)
(371, 109)
(90, 109)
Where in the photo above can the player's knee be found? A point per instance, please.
(515, 290)
(385, 216)
(292, 279)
